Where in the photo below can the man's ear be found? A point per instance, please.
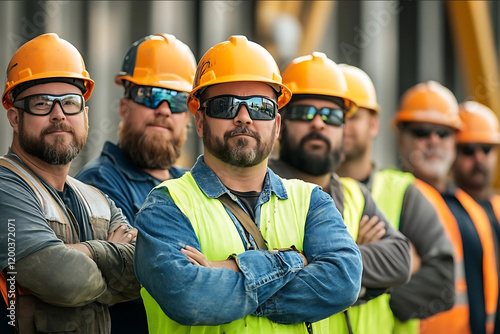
(198, 116)
(279, 126)
(374, 125)
(123, 108)
(13, 117)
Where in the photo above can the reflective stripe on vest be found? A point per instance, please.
(220, 238)
(388, 190)
(456, 320)
(375, 316)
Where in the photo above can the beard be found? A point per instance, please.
(479, 177)
(312, 164)
(151, 150)
(58, 153)
(240, 155)
(431, 163)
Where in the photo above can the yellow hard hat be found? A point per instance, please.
(160, 61)
(316, 74)
(235, 60)
(480, 124)
(41, 59)
(360, 87)
(429, 102)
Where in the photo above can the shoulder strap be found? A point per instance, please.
(245, 220)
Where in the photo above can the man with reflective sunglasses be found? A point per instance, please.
(475, 167)
(67, 250)
(311, 143)
(157, 74)
(428, 120)
(397, 194)
(230, 247)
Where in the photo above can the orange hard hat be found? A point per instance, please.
(480, 124)
(45, 57)
(235, 60)
(316, 74)
(360, 87)
(160, 61)
(429, 102)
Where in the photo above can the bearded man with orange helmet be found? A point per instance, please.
(431, 288)
(67, 250)
(286, 261)
(157, 74)
(474, 169)
(311, 145)
(428, 121)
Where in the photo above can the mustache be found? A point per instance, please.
(162, 123)
(58, 127)
(241, 130)
(479, 169)
(315, 135)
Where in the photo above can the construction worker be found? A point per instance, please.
(475, 166)
(310, 150)
(67, 250)
(287, 259)
(431, 288)
(427, 122)
(157, 75)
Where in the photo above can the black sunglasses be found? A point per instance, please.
(470, 149)
(152, 97)
(331, 116)
(42, 104)
(425, 132)
(228, 106)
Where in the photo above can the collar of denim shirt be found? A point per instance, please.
(212, 186)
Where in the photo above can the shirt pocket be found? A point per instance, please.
(62, 230)
(100, 227)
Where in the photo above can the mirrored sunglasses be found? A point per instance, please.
(331, 116)
(470, 149)
(42, 104)
(152, 97)
(228, 106)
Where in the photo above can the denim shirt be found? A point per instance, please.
(116, 176)
(271, 284)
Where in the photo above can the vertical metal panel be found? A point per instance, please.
(430, 41)
(379, 25)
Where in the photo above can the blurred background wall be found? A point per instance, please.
(398, 43)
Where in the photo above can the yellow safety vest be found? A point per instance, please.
(388, 191)
(375, 316)
(282, 225)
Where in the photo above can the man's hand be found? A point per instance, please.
(120, 234)
(370, 230)
(197, 258)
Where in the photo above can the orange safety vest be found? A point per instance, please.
(495, 203)
(456, 320)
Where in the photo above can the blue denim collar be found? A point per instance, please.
(123, 163)
(212, 186)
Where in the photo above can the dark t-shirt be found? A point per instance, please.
(473, 261)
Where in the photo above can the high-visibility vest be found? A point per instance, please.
(456, 320)
(388, 191)
(220, 238)
(375, 316)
